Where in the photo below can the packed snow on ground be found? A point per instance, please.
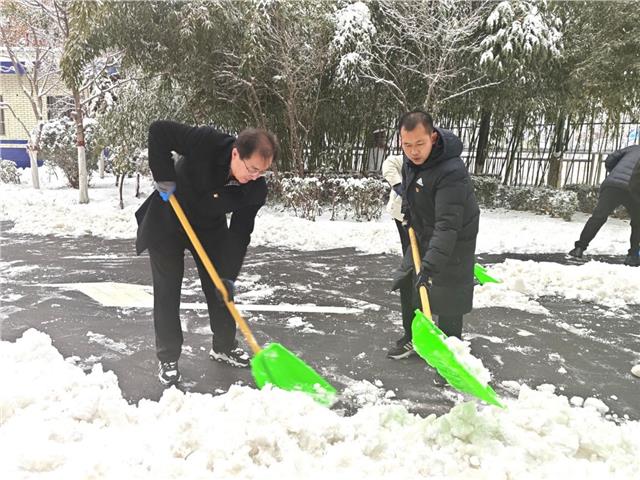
(57, 422)
(524, 282)
(54, 209)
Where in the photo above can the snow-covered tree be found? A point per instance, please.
(123, 125)
(34, 48)
(353, 41)
(519, 31)
(520, 42)
(414, 48)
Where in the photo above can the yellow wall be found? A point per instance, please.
(12, 94)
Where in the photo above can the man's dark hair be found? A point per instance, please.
(254, 140)
(412, 119)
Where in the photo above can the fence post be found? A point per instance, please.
(599, 170)
(593, 166)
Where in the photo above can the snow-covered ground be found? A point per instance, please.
(62, 423)
(55, 210)
(58, 422)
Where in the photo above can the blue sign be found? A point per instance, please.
(7, 66)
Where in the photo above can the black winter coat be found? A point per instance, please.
(445, 215)
(621, 166)
(204, 191)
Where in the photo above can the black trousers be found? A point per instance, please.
(451, 325)
(167, 270)
(608, 201)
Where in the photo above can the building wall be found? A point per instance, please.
(14, 138)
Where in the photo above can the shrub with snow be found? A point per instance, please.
(544, 200)
(362, 198)
(9, 172)
(59, 147)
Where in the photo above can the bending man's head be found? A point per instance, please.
(253, 153)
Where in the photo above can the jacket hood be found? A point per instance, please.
(449, 146)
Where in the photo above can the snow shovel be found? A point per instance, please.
(274, 364)
(482, 276)
(429, 342)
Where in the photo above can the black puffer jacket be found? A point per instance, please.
(621, 166)
(203, 190)
(445, 215)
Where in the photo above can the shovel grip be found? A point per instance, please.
(244, 328)
(417, 265)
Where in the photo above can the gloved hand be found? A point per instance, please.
(398, 189)
(230, 286)
(165, 189)
(423, 278)
(406, 221)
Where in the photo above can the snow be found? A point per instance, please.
(462, 351)
(64, 423)
(523, 282)
(500, 230)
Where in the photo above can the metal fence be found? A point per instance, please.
(587, 146)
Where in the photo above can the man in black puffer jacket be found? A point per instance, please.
(440, 204)
(217, 174)
(621, 187)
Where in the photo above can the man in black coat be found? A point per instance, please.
(440, 204)
(621, 187)
(215, 174)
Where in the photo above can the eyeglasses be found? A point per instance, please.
(253, 171)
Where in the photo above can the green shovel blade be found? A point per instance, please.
(428, 341)
(482, 276)
(279, 367)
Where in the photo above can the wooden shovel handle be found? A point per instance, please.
(417, 264)
(244, 328)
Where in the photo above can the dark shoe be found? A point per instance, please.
(403, 349)
(235, 357)
(576, 252)
(632, 261)
(169, 373)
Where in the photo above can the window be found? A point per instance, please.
(2, 127)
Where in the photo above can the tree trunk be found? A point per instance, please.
(137, 185)
(83, 178)
(557, 151)
(33, 161)
(120, 191)
(294, 140)
(483, 141)
(514, 145)
(101, 164)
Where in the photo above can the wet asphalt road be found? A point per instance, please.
(575, 348)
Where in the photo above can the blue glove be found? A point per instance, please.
(230, 286)
(398, 189)
(165, 189)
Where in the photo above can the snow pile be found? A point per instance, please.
(610, 285)
(492, 295)
(56, 422)
(473, 365)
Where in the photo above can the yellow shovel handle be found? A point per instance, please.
(417, 263)
(244, 328)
